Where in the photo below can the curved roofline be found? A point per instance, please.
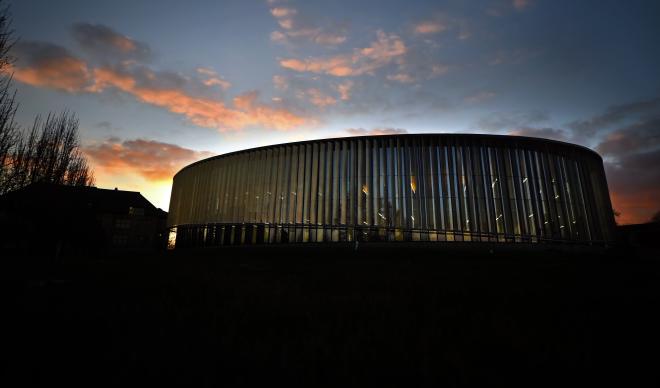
(465, 135)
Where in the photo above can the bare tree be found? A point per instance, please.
(6, 37)
(9, 134)
(50, 154)
(8, 129)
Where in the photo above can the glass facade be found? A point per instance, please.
(395, 188)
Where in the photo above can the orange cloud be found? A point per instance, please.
(69, 74)
(47, 65)
(339, 66)
(443, 22)
(429, 27)
(104, 78)
(294, 27)
(282, 12)
(153, 160)
(318, 98)
(201, 111)
(224, 85)
(385, 50)
(269, 117)
(124, 44)
(213, 78)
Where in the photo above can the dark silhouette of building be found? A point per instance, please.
(430, 187)
(58, 220)
(640, 240)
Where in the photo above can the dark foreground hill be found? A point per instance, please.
(399, 316)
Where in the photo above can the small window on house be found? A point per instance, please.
(119, 240)
(121, 223)
(136, 211)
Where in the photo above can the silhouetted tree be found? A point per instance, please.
(9, 134)
(656, 217)
(6, 36)
(50, 152)
(616, 216)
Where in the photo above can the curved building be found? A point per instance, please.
(427, 187)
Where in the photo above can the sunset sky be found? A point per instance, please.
(159, 84)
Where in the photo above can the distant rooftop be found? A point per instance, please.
(61, 197)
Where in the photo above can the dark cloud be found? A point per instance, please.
(150, 78)
(635, 138)
(49, 65)
(614, 115)
(104, 43)
(632, 155)
(32, 52)
(107, 126)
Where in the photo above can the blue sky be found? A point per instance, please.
(159, 84)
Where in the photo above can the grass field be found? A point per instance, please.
(400, 316)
